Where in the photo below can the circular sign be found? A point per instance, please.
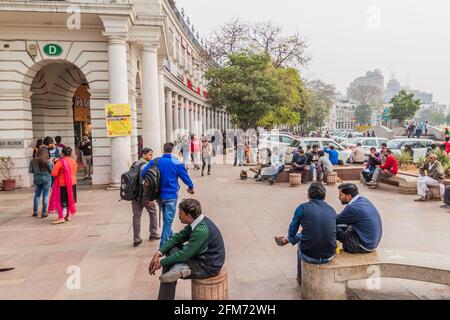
(53, 49)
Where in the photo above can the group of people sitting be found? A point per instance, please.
(358, 227)
(318, 162)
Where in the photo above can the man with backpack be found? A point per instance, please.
(133, 190)
(168, 169)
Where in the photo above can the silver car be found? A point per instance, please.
(344, 154)
(419, 146)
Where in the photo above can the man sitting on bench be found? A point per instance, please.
(431, 174)
(389, 169)
(359, 226)
(299, 161)
(202, 255)
(317, 240)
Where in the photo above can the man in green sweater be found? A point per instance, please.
(196, 252)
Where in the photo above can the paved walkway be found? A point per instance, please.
(99, 242)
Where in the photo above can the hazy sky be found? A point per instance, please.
(348, 37)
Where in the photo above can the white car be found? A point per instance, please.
(344, 154)
(419, 146)
(367, 143)
(280, 140)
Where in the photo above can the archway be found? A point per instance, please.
(60, 104)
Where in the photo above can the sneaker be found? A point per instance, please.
(44, 215)
(178, 271)
(371, 183)
(209, 173)
(34, 215)
(136, 243)
(59, 221)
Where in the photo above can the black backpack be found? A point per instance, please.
(129, 183)
(151, 183)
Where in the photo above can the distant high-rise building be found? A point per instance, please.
(368, 89)
(393, 87)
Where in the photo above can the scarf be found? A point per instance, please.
(55, 197)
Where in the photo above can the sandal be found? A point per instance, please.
(59, 221)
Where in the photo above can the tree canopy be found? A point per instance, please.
(404, 106)
(363, 114)
(320, 99)
(256, 92)
(238, 36)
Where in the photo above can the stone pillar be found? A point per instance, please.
(176, 123)
(203, 119)
(191, 116)
(116, 30)
(181, 104)
(186, 115)
(162, 107)
(169, 117)
(151, 123)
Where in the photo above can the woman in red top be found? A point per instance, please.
(64, 191)
(196, 151)
(447, 144)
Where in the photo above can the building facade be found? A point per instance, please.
(61, 62)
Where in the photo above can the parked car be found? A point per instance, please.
(344, 154)
(280, 140)
(419, 146)
(366, 143)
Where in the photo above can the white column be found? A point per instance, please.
(186, 115)
(176, 123)
(118, 93)
(151, 123)
(191, 116)
(169, 116)
(181, 104)
(162, 108)
(203, 119)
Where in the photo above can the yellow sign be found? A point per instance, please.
(118, 120)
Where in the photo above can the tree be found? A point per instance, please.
(365, 94)
(404, 106)
(249, 87)
(319, 101)
(447, 119)
(237, 36)
(438, 118)
(363, 114)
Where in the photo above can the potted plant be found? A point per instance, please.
(6, 166)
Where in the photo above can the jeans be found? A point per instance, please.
(275, 175)
(240, 155)
(301, 256)
(186, 155)
(168, 208)
(312, 168)
(41, 186)
(368, 175)
(198, 271)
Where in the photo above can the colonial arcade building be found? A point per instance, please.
(61, 62)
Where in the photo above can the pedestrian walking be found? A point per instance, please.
(206, 155)
(86, 156)
(139, 203)
(170, 169)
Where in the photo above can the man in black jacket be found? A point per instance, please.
(299, 161)
(86, 155)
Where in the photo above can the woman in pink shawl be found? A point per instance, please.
(64, 191)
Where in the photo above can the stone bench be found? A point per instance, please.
(345, 173)
(329, 281)
(404, 184)
(215, 288)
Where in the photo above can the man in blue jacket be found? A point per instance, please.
(333, 155)
(170, 169)
(317, 239)
(359, 226)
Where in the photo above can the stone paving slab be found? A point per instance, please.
(249, 214)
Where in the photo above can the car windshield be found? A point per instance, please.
(295, 144)
(394, 144)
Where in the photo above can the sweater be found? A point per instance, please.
(436, 172)
(204, 243)
(391, 165)
(318, 236)
(366, 222)
(170, 169)
(333, 155)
